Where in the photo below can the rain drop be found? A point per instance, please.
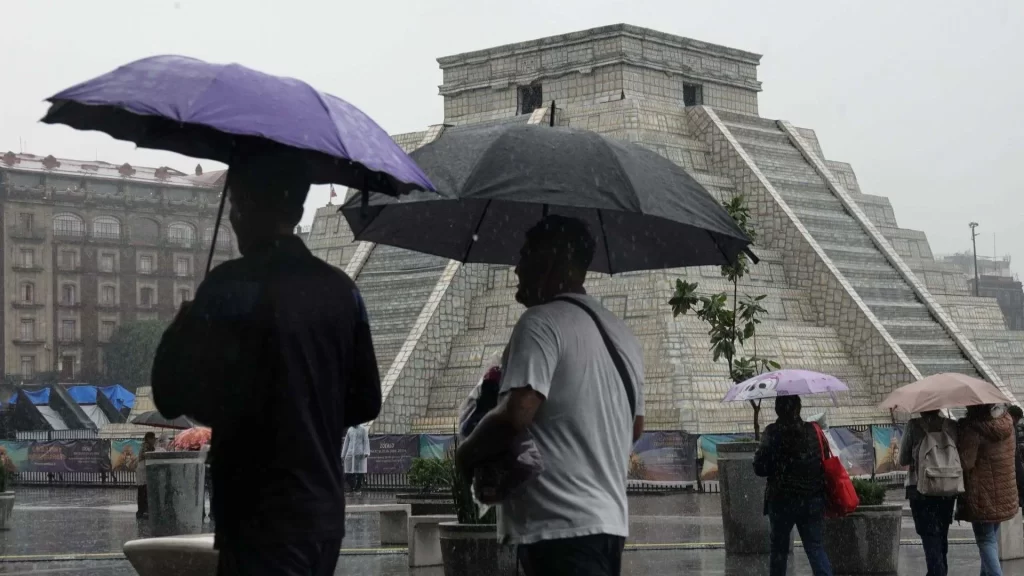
(476, 237)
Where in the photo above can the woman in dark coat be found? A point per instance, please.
(790, 456)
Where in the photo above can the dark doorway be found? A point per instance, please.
(692, 95)
(530, 98)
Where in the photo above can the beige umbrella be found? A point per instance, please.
(943, 391)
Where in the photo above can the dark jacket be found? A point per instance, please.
(987, 447)
(790, 457)
(275, 354)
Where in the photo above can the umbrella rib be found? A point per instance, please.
(604, 237)
(472, 239)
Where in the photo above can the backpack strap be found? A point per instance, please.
(821, 441)
(620, 365)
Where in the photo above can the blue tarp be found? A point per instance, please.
(83, 394)
(120, 396)
(37, 397)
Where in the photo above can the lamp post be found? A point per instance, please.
(974, 243)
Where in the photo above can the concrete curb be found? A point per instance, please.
(668, 546)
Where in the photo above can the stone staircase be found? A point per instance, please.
(849, 246)
(395, 283)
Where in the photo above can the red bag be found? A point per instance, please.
(840, 497)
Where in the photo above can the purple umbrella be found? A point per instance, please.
(203, 110)
(784, 383)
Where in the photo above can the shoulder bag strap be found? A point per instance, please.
(620, 365)
(821, 442)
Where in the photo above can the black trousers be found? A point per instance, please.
(932, 517)
(314, 558)
(597, 555)
(142, 499)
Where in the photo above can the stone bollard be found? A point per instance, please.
(175, 484)
(746, 528)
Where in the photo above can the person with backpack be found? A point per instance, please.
(987, 447)
(1018, 458)
(791, 457)
(934, 479)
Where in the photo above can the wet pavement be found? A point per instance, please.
(91, 525)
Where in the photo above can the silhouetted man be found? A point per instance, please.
(275, 353)
(560, 381)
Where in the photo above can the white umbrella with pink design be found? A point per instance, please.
(785, 383)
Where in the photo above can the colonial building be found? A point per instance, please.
(88, 245)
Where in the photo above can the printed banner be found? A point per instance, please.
(707, 452)
(855, 449)
(435, 445)
(59, 455)
(887, 448)
(664, 457)
(124, 455)
(17, 454)
(392, 453)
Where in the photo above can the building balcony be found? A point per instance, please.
(108, 305)
(27, 267)
(31, 341)
(70, 340)
(68, 235)
(179, 242)
(26, 304)
(69, 304)
(76, 267)
(29, 234)
(145, 239)
(106, 237)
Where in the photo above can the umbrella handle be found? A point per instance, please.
(216, 226)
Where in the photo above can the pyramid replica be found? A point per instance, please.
(849, 292)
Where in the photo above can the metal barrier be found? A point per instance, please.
(119, 478)
(47, 435)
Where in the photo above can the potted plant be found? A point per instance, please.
(432, 479)
(470, 545)
(6, 494)
(867, 541)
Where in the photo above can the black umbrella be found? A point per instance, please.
(496, 182)
(155, 419)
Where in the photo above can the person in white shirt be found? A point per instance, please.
(562, 384)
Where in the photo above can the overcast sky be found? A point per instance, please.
(924, 98)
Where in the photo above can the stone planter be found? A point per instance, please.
(474, 549)
(865, 542)
(176, 485)
(746, 528)
(428, 503)
(6, 509)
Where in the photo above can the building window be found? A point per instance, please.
(145, 264)
(181, 266)
(28, 330)
(145, 230)
(106, 262)
(181, 234)
(68, 260)
(146, 297)
(530, 98)
(28, 259)
(107, 328)
(184, 295)
(68, 330)
(68, 225)
(67, 367)
(67, 294)
(28, 292)
(108, 295)
(106, 227)
(692, 95)
(28, 366)
(25, 221)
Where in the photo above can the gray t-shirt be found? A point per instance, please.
(584, 430)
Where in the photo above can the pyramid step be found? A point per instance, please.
(805, 181)
(930, 367)
(781, 152)
(870, 271)
(942, 349)
(849, 253)
(810, 200)
(896, 311)
(731, 118)
(827, 219)
(747, 134)
(709, 179)
(842, 234)
(870, 289)
(914, 330)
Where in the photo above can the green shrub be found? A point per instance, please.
(430, 474)
(870, 492)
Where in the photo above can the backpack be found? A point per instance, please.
(938, 465)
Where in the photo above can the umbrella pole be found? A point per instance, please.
(216, 226)
(604, 237)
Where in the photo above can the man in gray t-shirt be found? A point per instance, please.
(560, 383)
